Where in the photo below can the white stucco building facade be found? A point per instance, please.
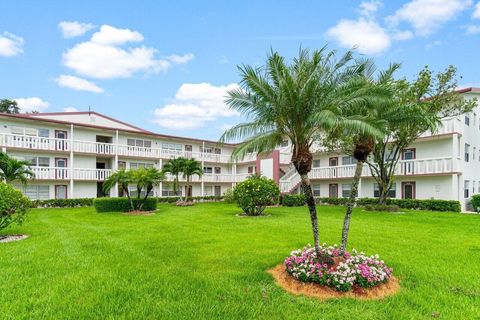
(73, 153)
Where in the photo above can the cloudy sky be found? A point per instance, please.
(166, 66)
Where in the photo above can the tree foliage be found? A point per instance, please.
(9, 106)
(12, 169)
(13, 206)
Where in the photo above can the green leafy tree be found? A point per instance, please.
(416, 107)
(190, 168)
(255, 193)
(123, 179)
(175, 167)
(146, 179)
(12, 169)
(302, 101)
(9, 106)
(13, 206)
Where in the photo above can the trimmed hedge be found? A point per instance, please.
(121, 204)
(382, 207)
(475, 202)
(292, 200)
(413, 204)
(62, 203)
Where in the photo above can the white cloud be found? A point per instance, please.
(77, 83)
(70, 109)
(402, 35)
(368, 8)
(10, 45)
(472, 29)
(476, 13)
(71, 29)
(109, 35)
(31, 104)
(426, 16)
(195, 104)
(102, 57)
(368, 35)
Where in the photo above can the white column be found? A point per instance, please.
(202, 185)
(115, 164)
(160, 185)
(71, 162)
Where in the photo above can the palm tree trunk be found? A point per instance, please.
(127, 192)
(310, 201)
(350, 204)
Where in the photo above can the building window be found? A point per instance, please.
(316, 189)
(34, 132)
(250, 170)
(44, 133)
(408, 154)
(136, 165)
(316, 163)
(122, 165)
(218, 170)
(134, 193)
(139, 143)
(346, 160)
(333, 162)
(284, 143)
(207, 170)
(391, 194)
(467, 119)
(467, 152)
(167, 190)
(346, 190)
(38, 161)
(466, 189)
(208, 190)
(218, 151)
(172, 146)
(206, 149)
(188, 147)
(218, 191)
(35, 192)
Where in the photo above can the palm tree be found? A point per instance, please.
(191, 167)
(302, 101)
(175, 167)
(146, 179)
(12, 169)
(361, 144)
(123, 178)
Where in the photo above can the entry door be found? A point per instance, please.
(333, 190)
(60, 192)
(218, 191)
(188, 191)
(61, 135)
(408, 190)
(61, 165)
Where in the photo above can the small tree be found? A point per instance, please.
(12, 169)
(190, 168)
(255, 193)
(146, 179)
(416, 107)
(13, 206)
(123, 178)
(175, 167)
(9, 106)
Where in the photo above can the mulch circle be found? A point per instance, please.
(315, 290)
(139, 213)
(13, 237)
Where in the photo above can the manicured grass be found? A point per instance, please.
(202, 262)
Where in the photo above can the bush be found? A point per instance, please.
(122, 204)
(255, 193)
(293, 200)
(475, 202)
(333, 201)
(13, 206)
(228, 196)
(382, 207)
(62, 203)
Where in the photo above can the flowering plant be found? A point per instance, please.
(356, 269)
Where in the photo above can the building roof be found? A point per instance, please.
(67, 119)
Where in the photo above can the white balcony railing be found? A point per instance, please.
(56, 173)
(429, 166)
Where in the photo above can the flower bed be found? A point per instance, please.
(353, 270)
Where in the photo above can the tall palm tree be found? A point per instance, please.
(302, 101)
(123, 178)
(146, 179)
(175, 167)
(361, 144)
(12, 169)
(191, 167)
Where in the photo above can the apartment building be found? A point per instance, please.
(444, 165)
(73, 153)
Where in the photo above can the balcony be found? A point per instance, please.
(449, 126)
(108, 149)
(55, 173)
(428, 166)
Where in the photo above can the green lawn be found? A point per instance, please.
(203, 262)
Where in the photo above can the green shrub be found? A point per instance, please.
(333, 201)
(293, 200)
(121, 204)
(255, 193)
(62, 203)
(228, 196)
(417, 204)
(13, 206)
(382, 207)
(475, 202)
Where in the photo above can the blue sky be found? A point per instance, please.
(165, 66)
